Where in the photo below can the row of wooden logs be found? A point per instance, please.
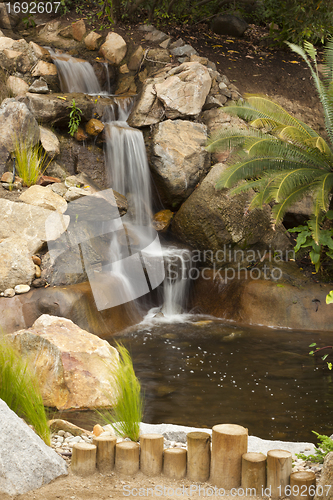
(222, 459)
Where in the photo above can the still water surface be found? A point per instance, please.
(201, 373)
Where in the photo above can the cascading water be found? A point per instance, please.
(128, 173)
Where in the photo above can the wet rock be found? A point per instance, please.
(73, 366)
(229, 25)
(80, 135)
(49, 142)
(36, 260)
(17, 121)
(114, 48)
(21, 289)
(179, 159)
(94, 127)
(210, 219)
(135, 59)
(91, 40)
(39, 87)
(42, 197)
(162, 220)
(27, 463)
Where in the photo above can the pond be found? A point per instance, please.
(203, 372)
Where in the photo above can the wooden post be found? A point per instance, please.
(105, 453)
(127, 457)
(174, 465)
(83, 459)
(254, 472)
(279, 465)
(151, 458)
(229, 443)
(198, 456)
(300, 483)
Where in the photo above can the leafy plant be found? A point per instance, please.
(324, 247)
(126, 415)
(324, 357)
(20, 390)
(325, 446)
(31, 162)
(279, 156)
(74, 118)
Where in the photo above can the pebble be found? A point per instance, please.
(22, 289)
(9, 292)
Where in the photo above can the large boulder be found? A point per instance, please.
(17, 123)
(27, 463)
(114, 48)
(74, 367)
(210, 219)
(27, 222)
(179, 159)
(16, 265)
(178, 92)
(228, 24)
(325, 483)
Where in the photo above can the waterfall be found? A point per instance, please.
(136, 258)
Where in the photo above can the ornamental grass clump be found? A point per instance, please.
(31, 162)
(19, 389)
(126, 415)
(280, 158)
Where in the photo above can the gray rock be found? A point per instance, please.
(39, 87)
(146, 27)
(166, 43)
(177, 43)
(156, 36)
(16, 265)
(184, 50)
(17, 121)
(179, 159)
(210, 219)
(27, 463)
(229, 25)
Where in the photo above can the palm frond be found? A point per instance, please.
(322, 188)
(290, 180)
(231, 138)
(280, 209)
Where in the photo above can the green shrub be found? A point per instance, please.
(20, 390)
(126, 415)
(310, 20)
(74, 118)
(325, 446)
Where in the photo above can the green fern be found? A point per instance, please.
(281, 158)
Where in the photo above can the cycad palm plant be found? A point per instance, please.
(279, 156)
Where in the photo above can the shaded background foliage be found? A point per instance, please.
(291, 20)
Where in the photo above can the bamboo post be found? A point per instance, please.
(174, 465)
(198, 456)
(151, 459)
(229, 443)
(127, 457)
(279, 465)
(83, 459)
(105, 453)
(254, 472)
(300, 483)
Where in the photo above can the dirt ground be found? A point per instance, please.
(99, 487)
(253, 68)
